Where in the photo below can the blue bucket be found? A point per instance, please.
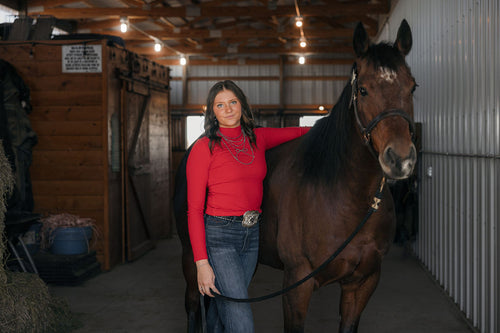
(70, 241)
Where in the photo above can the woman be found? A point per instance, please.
(225, 170)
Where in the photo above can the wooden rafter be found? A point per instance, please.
(244, 33)
(202, 28)
(227, 11)
(247, 50)
(49, 3)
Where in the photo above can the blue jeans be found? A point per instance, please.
(232, 253)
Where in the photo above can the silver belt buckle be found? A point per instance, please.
(250, 218)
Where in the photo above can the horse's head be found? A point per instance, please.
(382, 98)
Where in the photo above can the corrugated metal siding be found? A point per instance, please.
(257, 92)
(234, 70)
(264, 92)
(456, 61)
(314, 91)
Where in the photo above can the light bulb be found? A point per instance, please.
(123, 24)
(303, 42)
(302, 60)
(157, 46)
(183, 61)
(298, 21)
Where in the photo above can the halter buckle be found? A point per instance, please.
(366, 137)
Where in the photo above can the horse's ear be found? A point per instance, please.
(404, 40)
(360, 41)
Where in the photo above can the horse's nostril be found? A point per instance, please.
(390, 156)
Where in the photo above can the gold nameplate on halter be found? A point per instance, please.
(376, 202)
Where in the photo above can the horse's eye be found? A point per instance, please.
(414, 88)
(363, 91)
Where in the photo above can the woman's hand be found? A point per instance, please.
(206, 278)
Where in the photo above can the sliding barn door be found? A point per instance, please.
(138, 231)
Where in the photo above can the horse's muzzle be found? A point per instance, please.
(396, 166)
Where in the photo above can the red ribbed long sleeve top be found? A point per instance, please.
(219, 185)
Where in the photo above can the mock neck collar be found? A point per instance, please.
(230, 132)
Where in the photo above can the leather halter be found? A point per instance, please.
(366, 132)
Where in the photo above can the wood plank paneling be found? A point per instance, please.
(70, 142)
(58, 128)
(70, 113)
(54, 158)
(66, 203)
(68, 172)
(68, 187)
(68, 82)
(77, 97)
(36, 70)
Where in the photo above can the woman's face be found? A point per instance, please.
(227, 109)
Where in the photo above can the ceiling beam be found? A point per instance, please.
(48, 3)
(336, 9)
(210, 51)
(208, 62)
(224, 34)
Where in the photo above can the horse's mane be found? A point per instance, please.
(323, 151)
(384, 55)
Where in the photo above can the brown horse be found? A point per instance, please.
(320, 186)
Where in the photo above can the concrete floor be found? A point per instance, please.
(146, 296)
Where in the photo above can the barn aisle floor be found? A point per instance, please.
(146, 296)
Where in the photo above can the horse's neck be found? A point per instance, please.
(363, 165)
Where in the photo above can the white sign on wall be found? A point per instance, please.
(82, 58)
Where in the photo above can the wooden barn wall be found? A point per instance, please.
(73, 115)
(68, 170)
(456, 62)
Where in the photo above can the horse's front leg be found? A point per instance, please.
(355, 296)
(296, 301)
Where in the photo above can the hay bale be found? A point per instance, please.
(6, 186)
(25, 303)
(28, 307)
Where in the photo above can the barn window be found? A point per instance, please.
(194, 128)
(309, 120)
(7, 15)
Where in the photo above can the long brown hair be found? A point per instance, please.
(211, 123)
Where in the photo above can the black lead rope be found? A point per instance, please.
(373, 208)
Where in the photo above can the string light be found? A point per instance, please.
(123, 24)
(303, 42)
(183, 61)
(302, 60)
(299, 21)
(158, 46)
(321, 107)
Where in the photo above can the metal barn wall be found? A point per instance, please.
(264, 92)
(456, 62)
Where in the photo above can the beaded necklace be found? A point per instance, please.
(238, 147)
